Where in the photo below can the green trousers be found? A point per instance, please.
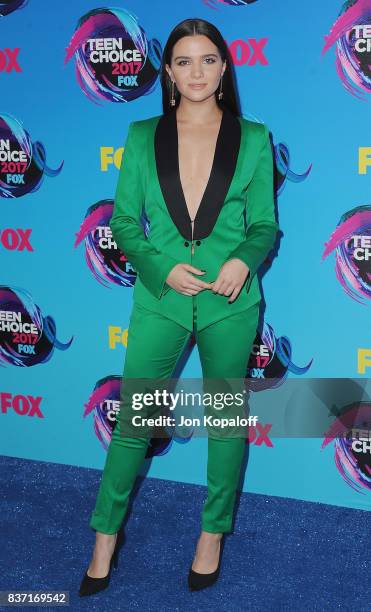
(154, 345)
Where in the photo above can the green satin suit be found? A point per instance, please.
(235, 219)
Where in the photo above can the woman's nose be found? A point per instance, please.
(196, 72)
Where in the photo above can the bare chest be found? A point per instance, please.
(196, 151)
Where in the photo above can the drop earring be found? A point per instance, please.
(220, 94)
(172, 99)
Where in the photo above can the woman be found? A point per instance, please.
(193, 169)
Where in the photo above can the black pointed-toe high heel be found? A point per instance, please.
(90, 585)
(197, 581)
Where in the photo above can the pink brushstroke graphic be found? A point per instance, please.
(32, 154)
(102, 80)
(353, 274)
(104, 403)
(40, 341)
(351, 433)
(106, 391)
(105, 261)
(354, 76)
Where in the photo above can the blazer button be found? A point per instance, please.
(186, 243)
(198, 242)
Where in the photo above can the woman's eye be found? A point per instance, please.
(212, 61)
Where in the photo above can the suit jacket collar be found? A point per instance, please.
(222, 172)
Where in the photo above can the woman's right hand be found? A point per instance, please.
(181, 279)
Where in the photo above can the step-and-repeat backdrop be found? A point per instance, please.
(70, 86)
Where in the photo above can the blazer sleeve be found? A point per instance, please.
(260, 217)
(151, 265)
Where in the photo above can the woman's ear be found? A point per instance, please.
(168, 70)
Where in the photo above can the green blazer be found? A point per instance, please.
(235, 218)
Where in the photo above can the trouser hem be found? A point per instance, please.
(100, 525)
(215, 528)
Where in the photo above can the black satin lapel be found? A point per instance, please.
(222, 173)
(166, 153)
(225, 161)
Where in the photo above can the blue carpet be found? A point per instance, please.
(283, 555)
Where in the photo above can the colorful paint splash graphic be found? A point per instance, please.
(351, 434)
(270, 361)
(284, 172)
(351, 241)
(353, 47)
(216, 3)
(26, 337)
(22, 162)
(107, 263)
(114, 61)
(9, 6)
(104, 403)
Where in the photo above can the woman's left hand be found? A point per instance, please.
(231, 278)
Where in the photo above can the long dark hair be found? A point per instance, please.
(190, 27)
